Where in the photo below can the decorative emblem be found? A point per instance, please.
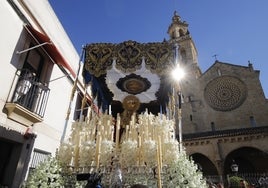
(133, 84)
(98, 58)
(128, 57)
(158, 57)
(225, 93)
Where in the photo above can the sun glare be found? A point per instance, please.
(178, 73)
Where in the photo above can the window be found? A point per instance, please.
(183, 56)
(31, 90)
(191, 117)
(39, 156)
(252, 121)
(213, 128)
(219, 72)
(29, 93)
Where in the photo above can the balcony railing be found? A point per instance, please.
(30, 93)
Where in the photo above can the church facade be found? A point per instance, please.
(224, 110)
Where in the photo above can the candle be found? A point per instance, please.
(105, 135)
(139, 150)
(130, 136)
(159, 183)
(112, 133)
(127, 133)
(117, 132)
(110, 109)
(160, 151)
(102, 131)
(108, 128)
(161, 112)
(97, 154)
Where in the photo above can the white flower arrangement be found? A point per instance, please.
(65, 153)
(145, 146)
(106, 152)
(149, 152)
(128, 156)
(86, 153)
(171, 152)
(46, 175)
(183, 174)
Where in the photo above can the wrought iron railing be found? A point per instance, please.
(251, 179)
(30, 93)
(256, 179)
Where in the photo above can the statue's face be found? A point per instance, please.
(131, 103)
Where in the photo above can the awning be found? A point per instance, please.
(50, 48)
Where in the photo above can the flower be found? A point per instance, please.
(47, 174)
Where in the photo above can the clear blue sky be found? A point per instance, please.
(235, 30)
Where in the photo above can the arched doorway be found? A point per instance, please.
(248, 159)
(205, 164)
(252, 165)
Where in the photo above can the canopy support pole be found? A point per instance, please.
(37, 46)
(71, 98)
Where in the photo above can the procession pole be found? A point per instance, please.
(71, 98)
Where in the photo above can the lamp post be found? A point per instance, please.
(234, 167)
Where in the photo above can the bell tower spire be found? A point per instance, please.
(177, 28)
(186, 55)
(180, 35)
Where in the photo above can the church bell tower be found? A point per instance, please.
(180, 35)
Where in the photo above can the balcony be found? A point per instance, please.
(29, 99)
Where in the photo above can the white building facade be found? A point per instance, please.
(39, 68)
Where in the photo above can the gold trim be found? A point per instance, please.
(128, 57)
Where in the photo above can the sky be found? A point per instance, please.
(234, 30)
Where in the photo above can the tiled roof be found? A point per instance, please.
(224, 133)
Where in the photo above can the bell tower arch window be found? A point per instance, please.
(183, 56)
(181, 32)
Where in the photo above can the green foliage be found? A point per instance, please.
(235, 181)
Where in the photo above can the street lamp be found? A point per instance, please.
(234, 167)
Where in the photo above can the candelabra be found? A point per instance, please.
(144, 149)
